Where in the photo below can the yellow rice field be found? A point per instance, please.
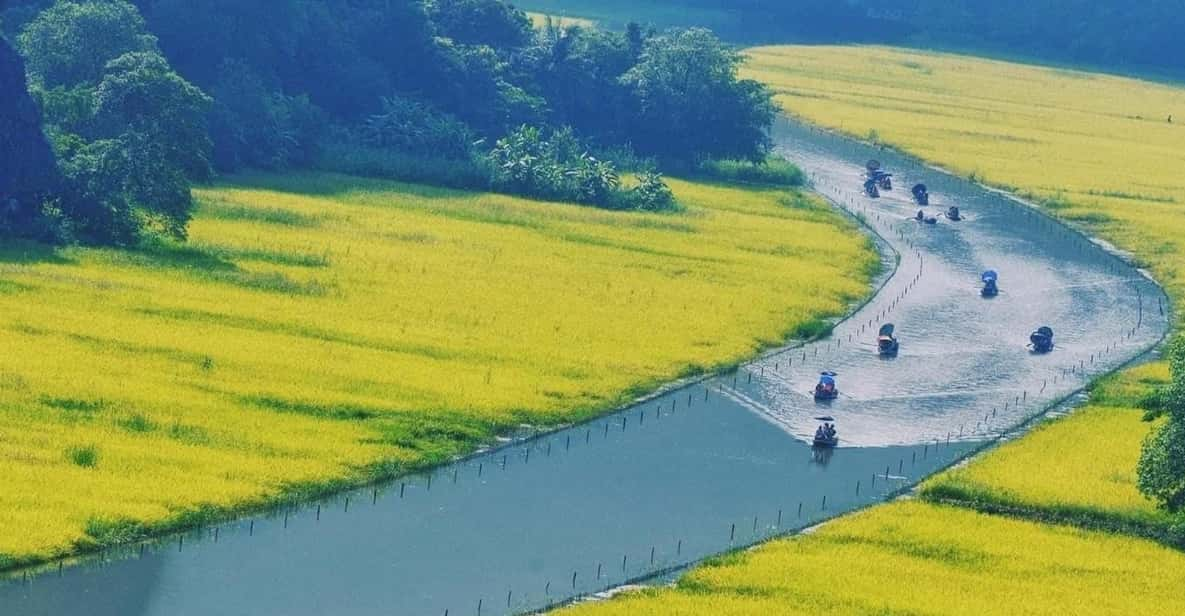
(321, 328)
(917, 558)
(1098, 148)
(1081, 467)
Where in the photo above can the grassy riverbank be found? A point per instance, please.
(320, 329)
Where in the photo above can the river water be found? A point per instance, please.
(704, 468)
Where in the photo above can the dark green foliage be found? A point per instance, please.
(1162, 461)
(104, 531)
(690, 106)
(572, 63)
(1162, 465)
(412, 127)
(482, 22)
(128, 131)
(28, 174)
(70, 43)
(557, 166)
(141, 95)
(252, 125)
(408, 89)
(86, 456)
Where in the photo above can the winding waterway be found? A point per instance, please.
(698, 470)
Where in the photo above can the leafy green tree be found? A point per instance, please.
(690, 105)
(574, 62)
(492, 23)
(1162, 462)
(1162, 465)
(129, 132)
(70, 43)
(142, 95)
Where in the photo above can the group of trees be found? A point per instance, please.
(140, 98)
(127, 131)
(1162, 463)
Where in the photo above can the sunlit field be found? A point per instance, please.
(321, 328)
(915, 558)
(1080, 468)
(1097, 149)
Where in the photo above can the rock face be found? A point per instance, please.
(27, 169)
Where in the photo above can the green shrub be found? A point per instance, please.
(86, 456)
(650, 194)
(558, 167)
(773, 170)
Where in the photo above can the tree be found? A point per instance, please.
(129, 134)
(575, 62)
(689, 104)
(492, 23)
(70, 43)
(141, 95)
(1162, 465)
(1162, 461)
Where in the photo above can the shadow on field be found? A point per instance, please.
(24, 252)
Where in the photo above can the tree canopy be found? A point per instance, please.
(142, 97)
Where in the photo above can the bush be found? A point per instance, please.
(86, 456)
(530, 163)
(650, 194)
(773, 170)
